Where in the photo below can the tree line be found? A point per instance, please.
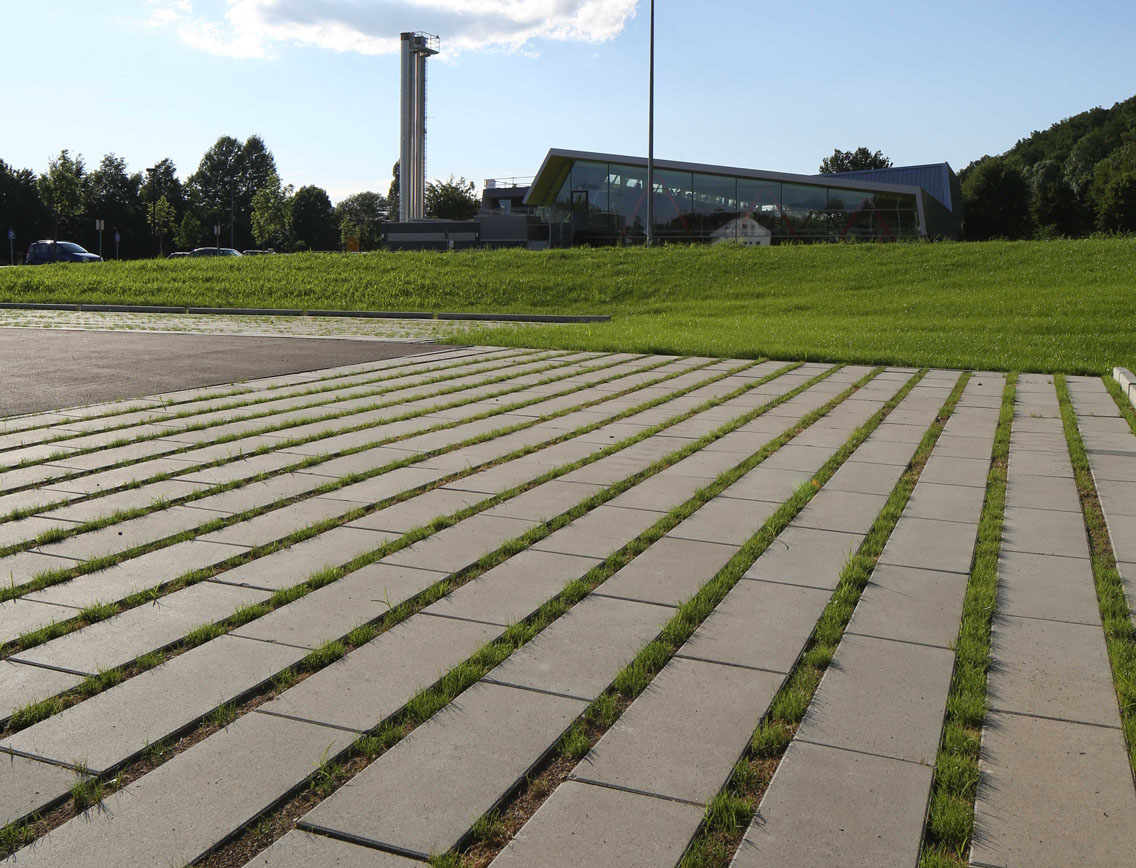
(235, 187)
(1076, 178)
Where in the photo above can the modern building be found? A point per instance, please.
(602, 200)
(584, 198)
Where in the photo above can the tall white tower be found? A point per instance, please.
(416, 47)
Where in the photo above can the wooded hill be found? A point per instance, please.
(1075, 178)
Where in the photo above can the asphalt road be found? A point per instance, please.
(45, 369)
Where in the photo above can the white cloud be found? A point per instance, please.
(252, 28)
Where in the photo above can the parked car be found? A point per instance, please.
(45, 252)
(178, 254)
(267, 252)
(215, 251)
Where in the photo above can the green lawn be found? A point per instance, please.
(1044, 306)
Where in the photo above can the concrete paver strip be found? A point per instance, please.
(28, 784)
(1034, 769)
(587, 825)
(514, 589)
(794, 827)
(907, 604)
(1052, 668)
(172, 815)
(681, 738)
(130, 634)
(118, 724)
(336, 609)
(873, 685)
(581, 652)
(878, 711)
(1116, 488)
(1040, 801)
(670, 571)
(397, 803)
(22, 684)
(377, 679)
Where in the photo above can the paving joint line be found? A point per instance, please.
(649, 794)
(529, 689)
(1035, 716)
(876, 638)
(863, 752)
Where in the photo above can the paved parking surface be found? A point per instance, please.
(275, 571)
(48, 368)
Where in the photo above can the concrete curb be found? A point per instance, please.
(1127, 382)
(272, 311)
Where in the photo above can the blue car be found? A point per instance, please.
(46, 252)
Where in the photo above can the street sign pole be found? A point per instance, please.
(217, 232)
(99, 227)
(11, 246)
(117, 238)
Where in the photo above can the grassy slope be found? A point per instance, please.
(1058, 305)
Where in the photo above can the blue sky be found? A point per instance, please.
(773, 86)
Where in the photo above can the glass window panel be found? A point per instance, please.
(715, 193)
(804, 212)
(627, 186)
(673, 203)
(591, 178)
(906, 201)
(755, 196)
(848, 200)
(799, 197)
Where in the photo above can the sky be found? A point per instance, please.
(772, 86)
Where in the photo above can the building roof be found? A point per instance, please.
(938, 179)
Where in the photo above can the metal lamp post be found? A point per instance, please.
(651, 138)
(231, 180)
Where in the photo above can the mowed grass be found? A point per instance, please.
(1041, 306)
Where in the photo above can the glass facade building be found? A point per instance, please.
(602, 199)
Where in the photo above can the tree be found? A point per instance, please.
(366, 212)
(313, 221)
(272, 214)
(1055, 208)
(1116, 210)
(162, 180)
(190, 231)
(996, 200)
(1103, 191)
(21, 208)
(229, 175)
(392, 193)
(853, 161)
(452, 200)
(113, 194)
(161, 217)
(61, 189)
